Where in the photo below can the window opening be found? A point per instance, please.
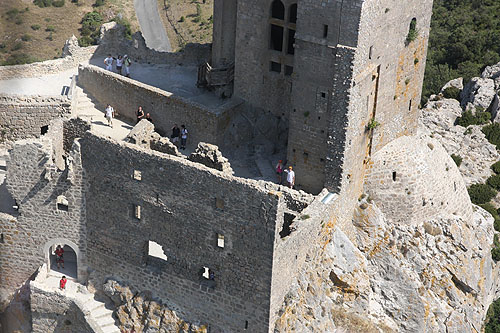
(1, 238)
(137, 175)
(288, 70)
(409, 107)
(44, 129)
(370, 52)
(277, 33)
(325, 30)
(62, 203)
(323, 94)
(394, 175)
(246, 324)
(278, 10)
(208, 274)
(219, 203)
(286, 230)
(220, 241)
(275, 67)
(293, 13)
(156, 250)
(137, 212)
(291, 41)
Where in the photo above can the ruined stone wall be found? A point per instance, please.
(73, 128)
(203, 124)
(224, 32)
(35, 182)
(183, 208)
(23, 116)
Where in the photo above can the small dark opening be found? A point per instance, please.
(394, 175)
(370, 52)
(62, 207)
(409, 107)
(287, 230)
(246, 324)
(1, 238)
(276, 37)
(323, 94)
(288, 70)
(325, 31)
(293, 13)
(44, 129)
(278, 10)
(291, 41)
(275, 67)
(413, 25)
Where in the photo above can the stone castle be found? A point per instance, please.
(336, 84)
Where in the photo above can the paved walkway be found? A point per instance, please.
(151, 25)
(45, 85)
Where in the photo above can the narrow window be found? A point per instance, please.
(219, 203)
(325, 31)
(323, 94)
(137, 212)
(207, 273)
(156, 250)
(293, 13)
(370, 52)
(44, 129)
(409, 107)
(278, 10)
(1, 238)
(288, 70)
(246, 324)
(275, 67)
(394, 175)
(137, 175)
(277, 33)
(291, 41)
(220, 241)
(62, 203)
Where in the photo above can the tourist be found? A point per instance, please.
(184, 136)
(108, 62)
(127, 62)
(119, 64)
(279, 171)
(59, 256)
(139, 114)
(211, 275)
(109, 114)
(176, 133)
(290, 177)
(148, 118)
(62, 283)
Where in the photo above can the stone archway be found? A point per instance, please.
(73, 257)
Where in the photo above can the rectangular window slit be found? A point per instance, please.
(137, 175)
(325, 31)
(44, 129)
(137, 212)
(220, 241)
(156, 250)
(275, 67)
(62, 203)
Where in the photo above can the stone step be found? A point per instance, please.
(105, 321)
(102, 312)
(95, 306)
(110, 329)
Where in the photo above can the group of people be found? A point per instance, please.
(140, 115)
(290, 174)
(122, 62)
(179, 133)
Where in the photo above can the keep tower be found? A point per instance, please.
(346, 74)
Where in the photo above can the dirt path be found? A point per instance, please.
(151, 25)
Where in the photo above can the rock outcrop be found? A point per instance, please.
(210, 156)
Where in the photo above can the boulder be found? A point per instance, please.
(210, 156)
(479, 92)
(163, 145)
(457, 83)
(141, 133)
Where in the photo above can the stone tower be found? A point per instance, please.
(346, 74)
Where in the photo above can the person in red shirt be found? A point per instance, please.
(62, 283)
(59, 256)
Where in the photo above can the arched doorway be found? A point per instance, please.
(71, 257)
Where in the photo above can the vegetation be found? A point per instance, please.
(468, 118)
(496, 167)
(413, 32)
(452, 92)
(495, 254)
(126, 24)
(494, 181)
(457, 159)
(492, 133)
(463, 39)
(91, 23)
(481, 193)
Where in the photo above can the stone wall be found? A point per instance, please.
(204, 124)
(184, 206)
(23, 116)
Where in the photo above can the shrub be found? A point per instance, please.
(17, 46)
(85, 41)
(492, 133)
(26, 38)
(490, 209)
(99, 3)
(492, 322)
(19, 21)
(43, 3)
(126, 24)
(90, 28)
(494, 181)
(11, 13)
(469, 119)
(50, 28)
(452, 92)
(35, 27)
(481, 193)
(457, 159)
(58, 3)
(19, 59)
(496, 167)
(182, 19)
(49, 37)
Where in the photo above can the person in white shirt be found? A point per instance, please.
(184, 136)
(108, 62)
(290, 177)
(127, 63)
(109, 114)
(119, 64)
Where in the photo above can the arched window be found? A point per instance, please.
(278, 10)
(292, 16)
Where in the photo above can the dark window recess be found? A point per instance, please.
(325, 31)
(323, 94)
(293, 13)
(1, 238)
(370, 52)
(288, 70)
(275, 67)
(276, 38)
(44, 129)
(278, 10)
(246, 324)
(291, 40)
(394, 175)
(287, 222)
(62, 203)
(409, 106)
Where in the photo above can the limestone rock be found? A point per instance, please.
(210, 156)
(70, 46)
(141, 133)
(163, 145)
(492, 72)
(479, 92)
(457, 83)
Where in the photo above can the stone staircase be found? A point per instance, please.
(98, 313)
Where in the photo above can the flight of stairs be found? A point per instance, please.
(98, 312)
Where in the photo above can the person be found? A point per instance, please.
(108, 62)
(119, 64)
(211, 275)
(279, 171)
(290, 177)
(184, 136)
(139, 114)
(59, 256)
(126, 63)
(176, 133)
(62, 283)
(109, 114)
(148, 118)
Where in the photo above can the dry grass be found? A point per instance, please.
(182, 22)
(18, 33)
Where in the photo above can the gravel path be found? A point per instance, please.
(151, 25)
